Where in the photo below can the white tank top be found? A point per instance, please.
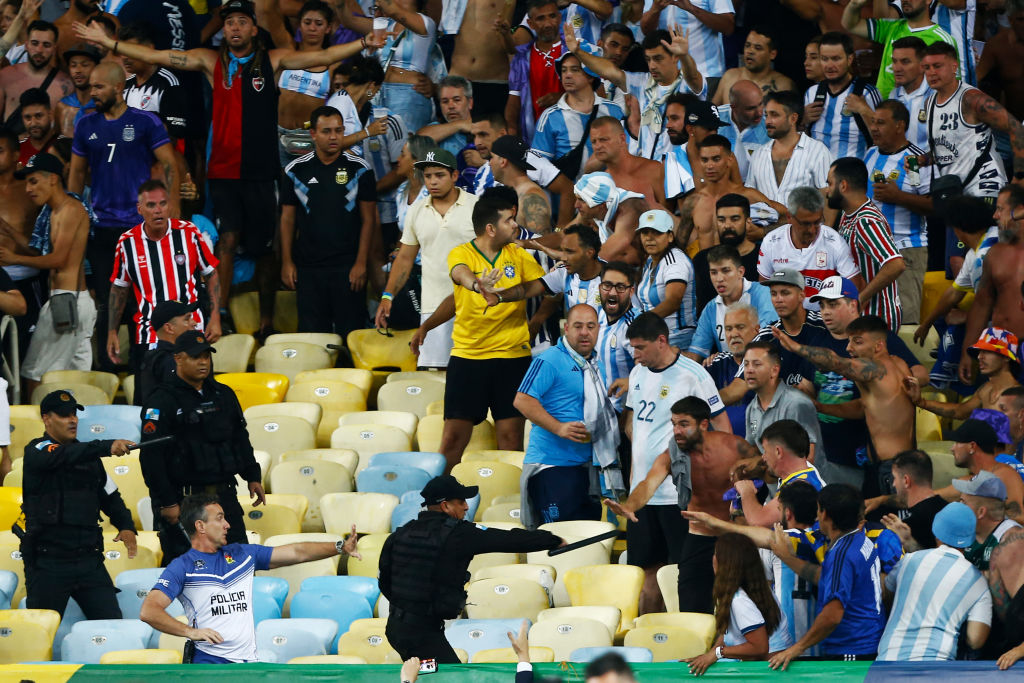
(957, 145)
(314, 84)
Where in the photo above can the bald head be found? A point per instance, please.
(106, 85)
(747, 102)
(581, 329)
(110, 73)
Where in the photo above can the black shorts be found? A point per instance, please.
(473, 386)
(249, 208)
(489, 97)
(657, 538)
(697, 574)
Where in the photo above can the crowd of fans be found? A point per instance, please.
(733, 207)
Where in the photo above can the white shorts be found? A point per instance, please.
(437, 345)
(49, 350)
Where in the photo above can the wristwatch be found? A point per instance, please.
(718, 652)
(340, 547)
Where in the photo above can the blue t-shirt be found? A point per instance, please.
(556, 381)
(120, 157)
(723, 371)
(851, 574)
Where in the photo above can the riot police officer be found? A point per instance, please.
(423, 567)
(170, 319)
(210, 448)
(64, 490)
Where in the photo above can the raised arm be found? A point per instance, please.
(599, 65)
(857, 369)
(21, 20)
(199, 59)
(295, 59)
(987, 110)
(680, 48)
(297, 553)
(350, 20)
(852, 20)
(407, 18)
(602, 9)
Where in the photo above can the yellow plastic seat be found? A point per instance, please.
(291, 358)
(155, 656)
(595, 554)
(928, 426)
(126, 472)
(327, 659)
(370, 644)
(505, 598)
(701, 625)
(250, 395)
(263, 459)
(335, 398)
(354, 376)
(370, 546)
(605, 614)
(233, 352)
(271, 380)
(567, 634)
(107, 381)
(501, 512)
(493, 478)
(944, 469)
(607, 584)
(28, 635)
(10, 559)
(668, 583)
(368, 623)
(370, 439)
(935, 283)
(406, 421)
(128, 386)
(10, 506)
(321, 339)
(286, 311)
(436, 375)
(297, 573)
(667, 643)
(370, 512)
(245, 311)
(174, 643)
(270, 520)
(435, 408)
(511, 457)
(23, 430)
(312, 479)
(412, 395)
(431, 428)
(15, 476)
(116, 560)
(506, 655)
(542, 575)
(277, 434)
(310, 412)
(25, 410)
(85, 394)
(345, 457)
(922, 353)
(378, 352)
(486, 560)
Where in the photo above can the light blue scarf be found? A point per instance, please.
(235, 64)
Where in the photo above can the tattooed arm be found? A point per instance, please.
(199, 59)
(535, 212)
(987, 110)
(857, 369)
(1006, 555)
(685, 228)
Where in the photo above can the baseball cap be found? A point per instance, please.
(786, 276)
(655, 220)
(61, 402)
(83, 50)
(446, 487)
(997, 340)
(245, 7)
(984, 484)
(440, 157)
(998, 421)
(513, 148)
(954, 525)
(165, 311)
(585, 47)
(43, 161)
(193, 343)
(979, 432)
(836, 287)
(702, 113)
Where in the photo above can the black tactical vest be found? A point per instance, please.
(419, 583)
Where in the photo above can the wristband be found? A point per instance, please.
(500, 299)
(719, 652)
(387, 296)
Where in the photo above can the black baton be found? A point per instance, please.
(151, 442)
(585, 542)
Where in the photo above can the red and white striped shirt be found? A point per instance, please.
(871, 241)
(162, 270)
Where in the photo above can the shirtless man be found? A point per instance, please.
(81, 59)
(1005, 580)
(613, 212)
(70, 348)
(17, 216)
(998, 295)
(630, 172)
(509, 165)
(480, 54)
(759, 52)
(879, 377)
(1001, 67)
(698, 209)
(41, 48)
(699, 462)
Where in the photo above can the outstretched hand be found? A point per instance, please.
(620, 509)
(785, 341)
(680, 45)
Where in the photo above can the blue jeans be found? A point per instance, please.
(415, 109)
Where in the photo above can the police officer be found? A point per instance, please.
(65, 489)
(423, 567)
(210, 448)
(170, 319)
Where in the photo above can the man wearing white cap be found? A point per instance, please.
(614, 212)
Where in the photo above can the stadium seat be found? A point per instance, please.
(336, 398)
(345, 457)
(413, 395)
(607, 584)
(634, 655)
(10, 560)
(502, 512)
(406, 421)
(393, 480)
(29, 634)
(321, 339)
(107, 381)
(341, 606)
(510, 457)
(668, 583)
(295, 574)
(10, 506)
(354, 376)
(435, 408)
(116, 560)
(264, 460)
(493, 478)
(327, 659)
(279, 640)
(922, 353)
(245, 311)
(360, 585)
(473, 635)
(126, 472)
(270, 520)
(24, 428)
(165, 641)
(291, 358)
(277, 434)
(272, 586)
(275, 382)
(928, 426)
(286, 313)
(90, 639)
(96, 423)
(371, 644)
(431, 463)
(8, 587)
(431, 427)
(597, 553)
(506, 655)
(128, 386)
(699, 624)
(310, 412)
(666, 643)
(370, 512)
(249, 395)
(233, 352)
(372, 623)
(370, 439)
(312, 479)
(86, 394)
(370, 546)
(505, 598)
(154, 656)
(134, 585)
(944, 469)
(404, 513)
(380, 353)
(436, 375)
(568, 634)
(606, 614)
(542, 575)
(493, 559)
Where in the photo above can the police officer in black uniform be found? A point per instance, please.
(65, 488)
(423, 567)
(210, 448)
(170, 319)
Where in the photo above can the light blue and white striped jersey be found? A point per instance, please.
(937, 590)
(452, 12)
(382, 152)
(654, 142)
(587, 24)
(710, 334)
(674, 266)
(745, 142)
(909, 229)
(574, 290)
(411, 50)
(614, 353)
(839, 131)
(560, 128)
(706, 46)
(113, 6)
(545, 338)
(916, 103)
(959, 23)
(678, 172)
(970, 272)
(543, 173)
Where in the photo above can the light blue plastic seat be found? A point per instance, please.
(392, 479)
(96, 423)
(405, 513)
(343, 607)
(90, 639)
(8, 587)
(472, 635)
(638, 655)
(280, 640)
(274, 586)
(134, 585)
(264, 606)
(432, 463)
(367, 586)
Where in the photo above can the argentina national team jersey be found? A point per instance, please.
(678, 172)
(674, 266)
(916, 103)
(744, 142)
(216, 591)
(959, 23)
(575, 291)
(382, 152)
(837, 128)
(587, 24)
(560, 128)
(909, 228)
(614, 353)
(706, 46)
